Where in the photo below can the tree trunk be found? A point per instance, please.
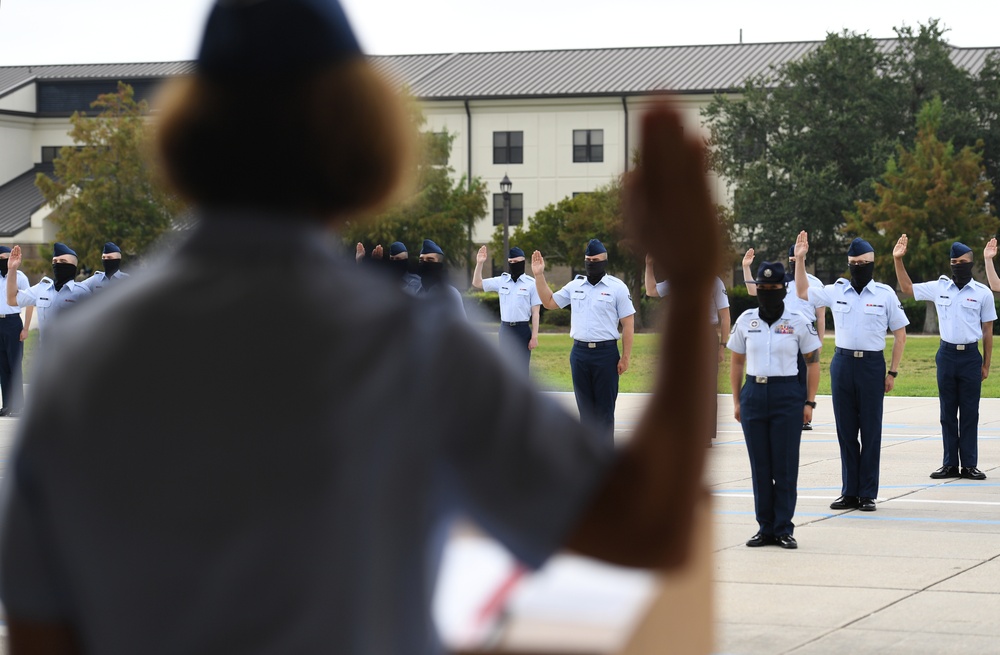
(931, 319)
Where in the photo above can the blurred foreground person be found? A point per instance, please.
(200, 509)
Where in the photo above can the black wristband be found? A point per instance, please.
(893, 373)
(811, 403)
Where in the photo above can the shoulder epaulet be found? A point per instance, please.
(980, 284)
(580, 277)
(46, 280)
(840, 281)
(946, 278)
(882, 285)
(745, 314)
(526, 277)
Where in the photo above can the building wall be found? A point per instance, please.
(16, 134)
(23, 99)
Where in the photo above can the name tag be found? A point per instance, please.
(503, 291)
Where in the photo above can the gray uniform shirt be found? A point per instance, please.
(227, 500)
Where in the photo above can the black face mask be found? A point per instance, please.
(111, 266)
(63, 273)
(3, 267)
(961, 273)
(595, 270)
(400, 267)
(861, 275)
(772, 304)
(516, 270)
(431, 273)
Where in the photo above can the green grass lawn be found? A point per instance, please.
(550, 366)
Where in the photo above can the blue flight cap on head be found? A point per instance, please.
(61, 249)
(791, 250)
(397, 248)
(595, 247)
(4, 249)
(859, 247)
(249, 38)
(110, 248)
(431, 248)
(771, 273)
(958, 249)
(515, 252)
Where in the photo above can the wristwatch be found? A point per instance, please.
(811, 403)
(893, 373)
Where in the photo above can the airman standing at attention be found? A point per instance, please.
(520, 305)
(111, 259)
(433, 279)
(966, 313)
(863, 310)
(599, 302)
(770, 403)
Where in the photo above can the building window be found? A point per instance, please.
(50, 153)
(516, 208)
(588, 145)
(581, 193)
(508, 147)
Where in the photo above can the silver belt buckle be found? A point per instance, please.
(761, 379)
(591, 345)
(960, 346)
(858, 354)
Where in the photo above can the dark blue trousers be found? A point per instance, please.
(771, 416)
(11, 354)
(960, 383)
(595, 384)
(514, 340)
(858, 390)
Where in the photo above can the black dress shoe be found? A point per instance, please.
(4, 411)
(866, 504)
(845, 502)
(946, 472)
(807, 426)
(972, 473)
(761, 539)
(787, 541)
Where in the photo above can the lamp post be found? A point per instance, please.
(505, 187)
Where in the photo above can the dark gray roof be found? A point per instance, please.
(19, 199)
(540, 73)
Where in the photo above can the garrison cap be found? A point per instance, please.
(515, 252)
(4, 249)
(397, 248)
(771, 273)
(791, 250)
(958, 249)
(595, 247)
(246, 39)
(859, 247)
(431, 248)
(110, 248)
(61, 249)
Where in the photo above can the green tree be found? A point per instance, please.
(933, 193)
(104, 188)
(562, 230)
(441, 209)
(807, 140)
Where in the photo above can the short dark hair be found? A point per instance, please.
(325, 145)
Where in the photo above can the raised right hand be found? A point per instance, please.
(481, 256)
(990, 251)
(537, 264)
(801, 245)
(900, 248)
(748, 257)
(14, 261)
(359, 252)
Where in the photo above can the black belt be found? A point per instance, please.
(18, 315)
(596, 344)
(960, 346)
(859, 353)
(772, 379)
(513, 323)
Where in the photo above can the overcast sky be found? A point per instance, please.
(110, 31)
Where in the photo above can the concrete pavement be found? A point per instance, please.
(919, 575)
